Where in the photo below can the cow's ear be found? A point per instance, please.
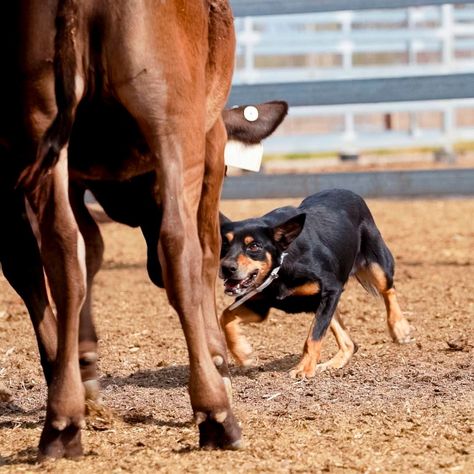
(252, 123)
(285, 233)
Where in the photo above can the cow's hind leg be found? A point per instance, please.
(63, 257)
(376, 275)
(22, 266)
(94, 254)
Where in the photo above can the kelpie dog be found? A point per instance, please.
(299, 260)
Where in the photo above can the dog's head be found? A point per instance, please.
(251, 249)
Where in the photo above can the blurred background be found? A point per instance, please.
(369, 89)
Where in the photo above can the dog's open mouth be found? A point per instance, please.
(240, 287)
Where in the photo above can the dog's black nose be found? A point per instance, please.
(228, 268)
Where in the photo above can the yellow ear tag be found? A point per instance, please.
(241, 155)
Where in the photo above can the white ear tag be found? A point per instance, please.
(251, 113)
(241, 155)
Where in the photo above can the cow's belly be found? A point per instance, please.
(106, 144)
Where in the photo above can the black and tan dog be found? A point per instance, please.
(299, 260)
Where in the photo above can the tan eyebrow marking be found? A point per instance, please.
(248, 240)
(229, 236)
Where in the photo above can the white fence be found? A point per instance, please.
(356, 45)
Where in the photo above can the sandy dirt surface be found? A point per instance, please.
(403, 409)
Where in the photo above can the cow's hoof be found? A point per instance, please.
(219, 430)
(92, 391)
(60, 443)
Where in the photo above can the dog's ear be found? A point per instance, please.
(223, 219)
(284, 234)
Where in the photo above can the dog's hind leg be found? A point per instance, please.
(376, 275)
(398, 326)
(346, 346)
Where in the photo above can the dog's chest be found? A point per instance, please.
(294, 296)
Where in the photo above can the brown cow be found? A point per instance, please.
(161, 70)
(131, 202)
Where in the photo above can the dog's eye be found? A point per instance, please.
(254, 246)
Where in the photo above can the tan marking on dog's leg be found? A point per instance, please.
(345, 344)
(397, 325)
(237, 343)
(308, 289)
(306, 368)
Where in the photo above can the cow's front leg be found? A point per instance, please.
(221, 429)
(182, 259)
(209, 236)
(177, 140)
(63, 256)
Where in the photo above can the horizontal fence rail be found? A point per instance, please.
(284, 7)
(455, 182)
(313, 57)
(324, 56)
(359, 91)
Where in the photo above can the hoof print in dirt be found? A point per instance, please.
(5, 394)
(461, 344)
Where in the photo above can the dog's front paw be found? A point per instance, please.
(306, 368)
(242, 352)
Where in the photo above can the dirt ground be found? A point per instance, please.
(403, 409)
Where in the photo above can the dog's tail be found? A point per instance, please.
(57, 135)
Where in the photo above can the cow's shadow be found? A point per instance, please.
(176, 376)
(11, 410)
(166, 378)
(25, 456)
